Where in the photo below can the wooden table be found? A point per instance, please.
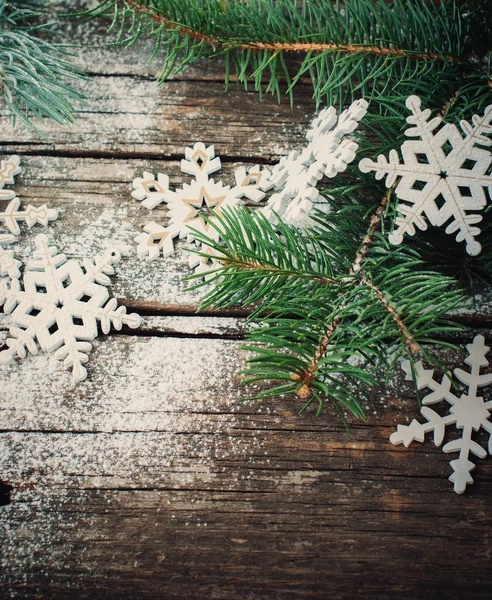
(152, 479)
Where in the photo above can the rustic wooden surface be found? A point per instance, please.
(152, 479)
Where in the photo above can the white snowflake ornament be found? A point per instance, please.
(8, 170)
(192, 207)
(327, 153)
(9, 266)
(467, 413)
(12, 216)
(149, 190)
(58, 306)
(443, 177)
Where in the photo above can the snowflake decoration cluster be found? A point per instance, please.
(443, 179)
(58, 305)
(327, 153)
(55, 305)
(468, 412)
(444, 175)
(293, 179)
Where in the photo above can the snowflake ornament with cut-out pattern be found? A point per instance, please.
(58, 305)
(192, 207)
(327, 153)
(12, 216)
(443, 177)
(468, 412)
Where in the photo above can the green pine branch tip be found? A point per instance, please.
(35, 76)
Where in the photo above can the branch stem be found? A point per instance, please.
(290, 46)
(374, 225)
(409, 339)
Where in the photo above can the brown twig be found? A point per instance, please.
(254, 266)
(306, 378)
(289, 46)
(197, 35)
(409, 339)
(367, 240)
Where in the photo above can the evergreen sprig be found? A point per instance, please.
(335, 310)
(346, 49)
(34, 74)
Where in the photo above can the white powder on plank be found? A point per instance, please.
(155, 413)
(144, 400)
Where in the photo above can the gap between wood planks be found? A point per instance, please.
(49, 151)
(237, 328)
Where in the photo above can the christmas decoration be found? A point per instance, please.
(11, 216)
(8, 264)
(195, 206)
(328, 152)
(444, 176)
(59, 305)
(468, 412)
(8, 170)
(337, 294)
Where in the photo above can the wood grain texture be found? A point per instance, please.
(152, 479)
(136, 484)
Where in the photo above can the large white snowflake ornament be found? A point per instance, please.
(443, 177)
(12, 216)
(192, 207)
(327, 153)
(59, 305)
(467, 412)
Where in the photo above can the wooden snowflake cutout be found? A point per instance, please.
(58, 306)
(12, 216)
(444, 175)
(467, 413)
(327, 153)
(193, 206)
(8, 264)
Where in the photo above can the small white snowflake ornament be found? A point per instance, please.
(12, 216)
(468, 412)
(327, 153)
(443, 177)
(58, 305)
(9, 266)
(192, 207)
(8, 170)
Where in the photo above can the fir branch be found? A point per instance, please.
(360, 47)
(256, 46)
(316, 311)
(33, 72)
(374, 224)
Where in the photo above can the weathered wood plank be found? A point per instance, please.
(208, 327)
(150, 386)
(150, 459)
(98, 212)
(130, 117)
